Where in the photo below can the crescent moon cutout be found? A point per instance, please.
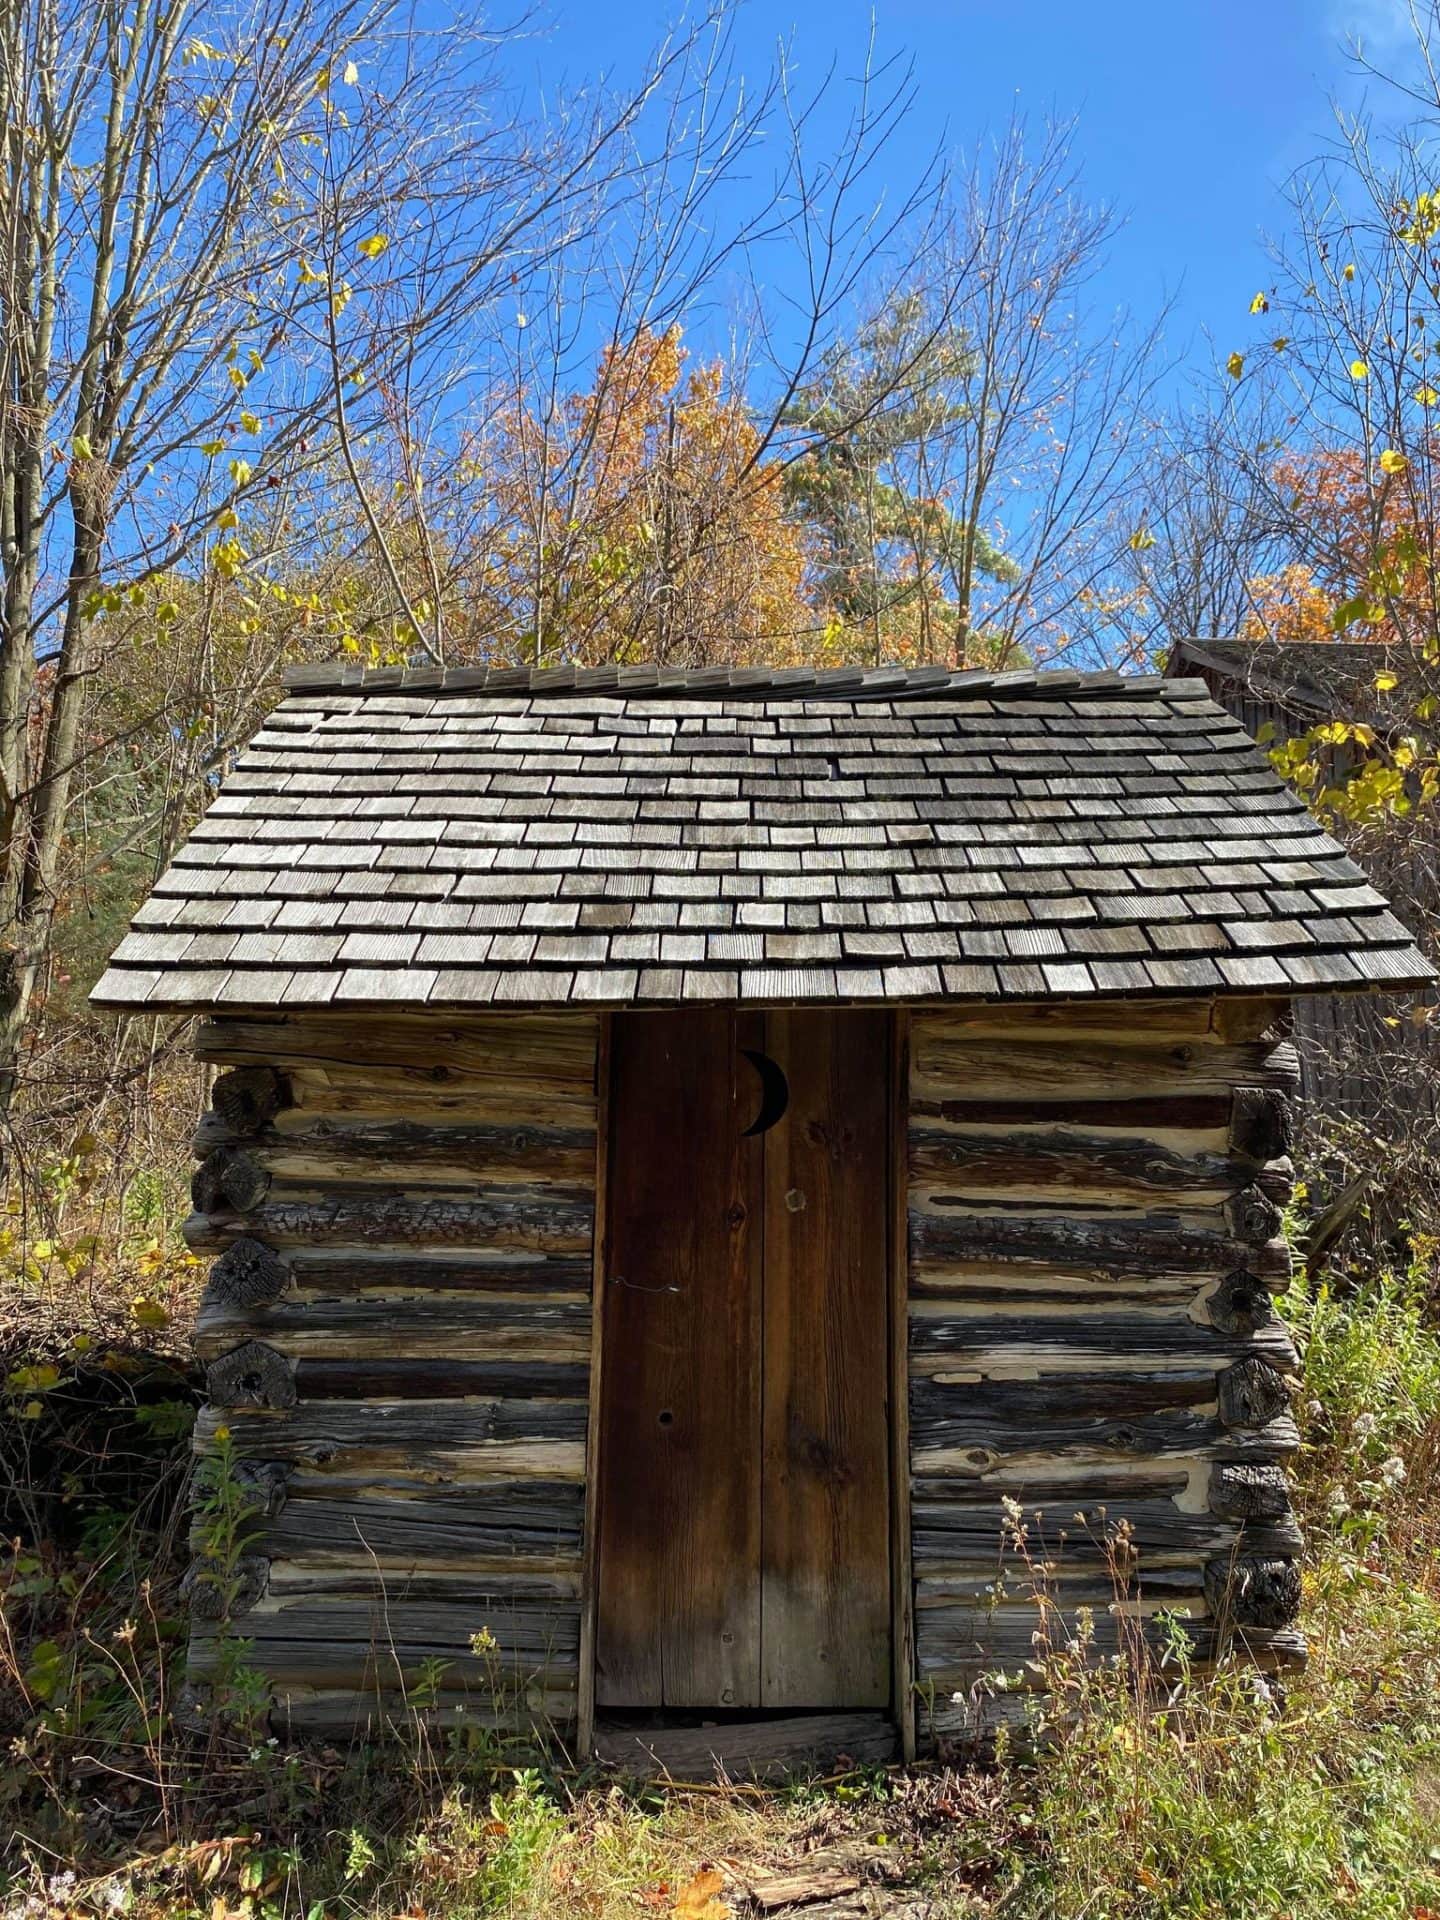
(774, 1091)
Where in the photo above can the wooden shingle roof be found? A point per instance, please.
(632, 837)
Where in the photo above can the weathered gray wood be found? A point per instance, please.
(394, 1272)
(228, 1179)
(1247, 1590)
(247, 1276)
(1249, 1491)
(1061, 1161)
(953, 1532)
(264, 1485)
(1252, 1393)
(526, 1521)
(1088, 1344)
(547, 1222)
(422, 1328)
(748, 1749)
(453, 1154)
(249, 1098)
(507, 1046)
(396, 1378)
(1148, 1244)
(251, 1375)
(508, 1439)
(215, 1591)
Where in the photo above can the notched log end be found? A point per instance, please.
(1246, 1490)
(215, 1591)
(251, 1375)
(247, 1274)
(1248, 1591)
(248, 1098)
(1262, 1124)
(1252, 1393)
(228, 1180)
(1241, 1305)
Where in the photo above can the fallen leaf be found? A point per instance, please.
(699, 1899)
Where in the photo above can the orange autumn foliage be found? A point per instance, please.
(1368, 542)
(640, 521)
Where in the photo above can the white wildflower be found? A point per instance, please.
(1392, 1471)
(1365, 1425)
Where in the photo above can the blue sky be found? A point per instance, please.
(1191, 112)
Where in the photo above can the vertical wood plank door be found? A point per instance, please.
(679, 1444)
(743, 1543)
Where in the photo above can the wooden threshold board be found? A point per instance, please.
(749, 1749)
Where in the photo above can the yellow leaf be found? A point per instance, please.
(211, 447)
(1393, 462)
(1235, 365)
(1259, 304)
(250, 422)
(1427, 396)
(148, 1312)
(1359, 370)
(32, 1410)
(374, 246)
(1350, 271)
(1141, 539)
(352, 73)
(699, 1898)
(1386, 682)
(227, 519)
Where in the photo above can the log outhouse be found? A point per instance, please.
(691, 1149)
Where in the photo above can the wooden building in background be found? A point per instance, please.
(1362, 1061)
(694, 1156)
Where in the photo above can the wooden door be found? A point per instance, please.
(743, 1553)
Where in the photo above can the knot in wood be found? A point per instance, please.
(252, 1375)
(1250, 1591)
(248, 1274)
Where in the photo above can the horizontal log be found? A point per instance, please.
(219, 1590)
(544, 1221)
(946, 1068)
(1060, 1162)
(361, 1643)
(398, 1379)
(976, 1429)
(1042, 1292)
(366, 1094)
(556, 1046)
(960, 1533)
(1144, 1244)
(529, 1521)
(544, 1326)
(331, 1149)
(1203, 1116)
(377, 1718)
(493, 1439)
(1125, 1022)
(1112, 1343)
(396, 1272)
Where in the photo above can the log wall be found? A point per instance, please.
(1094, 1226)
(397, 1332)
